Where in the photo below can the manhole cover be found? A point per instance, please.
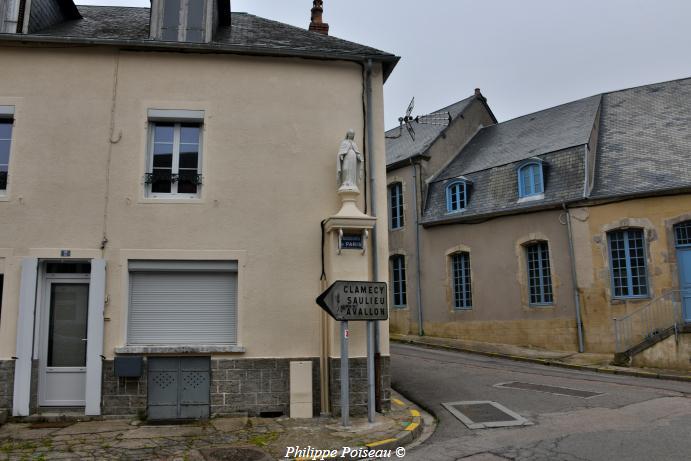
(484, 414)
(549, 389)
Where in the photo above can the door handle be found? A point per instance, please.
(85, 339)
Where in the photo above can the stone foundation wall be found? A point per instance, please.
(6, 385)
(122, 396)
(357, 379)
(252, 386)
(256, 386)
(555, 334)
(671, 353)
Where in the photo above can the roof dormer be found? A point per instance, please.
(192, 21)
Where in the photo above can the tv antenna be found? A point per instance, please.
(435, 118)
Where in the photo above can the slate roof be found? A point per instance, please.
(644, 148)
(645, 140)
(528, 136)
(403, 147)
(247, 34)
(494, 190)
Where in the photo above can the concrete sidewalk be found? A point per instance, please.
(239, 438)
(583, 361)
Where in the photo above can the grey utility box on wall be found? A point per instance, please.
(128, 367)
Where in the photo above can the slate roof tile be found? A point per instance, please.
(645, 140)
(644, 148)
(246, 33)
(400, 146)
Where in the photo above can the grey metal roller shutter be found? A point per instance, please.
(182, 307)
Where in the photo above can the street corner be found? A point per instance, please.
(386, 438)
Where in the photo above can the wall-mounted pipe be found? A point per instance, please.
(418, 287)
(369, 122)
(574, 279)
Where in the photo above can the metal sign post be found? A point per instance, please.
(345, 391)
(370, 372)
(356, 301)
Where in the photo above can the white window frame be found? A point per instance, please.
(175, 168)
(7, 115)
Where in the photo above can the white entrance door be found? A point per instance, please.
(62, 359)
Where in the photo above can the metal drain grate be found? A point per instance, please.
(549, 389)
(484, 414)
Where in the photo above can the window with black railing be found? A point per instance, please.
(174, 163)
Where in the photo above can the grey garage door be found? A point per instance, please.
(182, 303)
(178, 387)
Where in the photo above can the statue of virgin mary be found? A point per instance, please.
(350, 165)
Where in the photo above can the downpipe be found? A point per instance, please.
(369, 122)
(574, 278)
(418, 290)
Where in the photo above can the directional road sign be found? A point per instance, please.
(350, 300)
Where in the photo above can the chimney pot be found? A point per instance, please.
(316, 22)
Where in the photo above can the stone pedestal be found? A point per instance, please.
(345, 260)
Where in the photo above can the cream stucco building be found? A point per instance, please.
(164, 175)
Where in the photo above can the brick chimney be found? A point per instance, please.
(316, 24)
(479, 95)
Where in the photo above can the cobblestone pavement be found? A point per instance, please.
(121, 440)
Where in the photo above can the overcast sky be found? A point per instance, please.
(525, 55)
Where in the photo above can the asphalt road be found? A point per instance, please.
(632, 419)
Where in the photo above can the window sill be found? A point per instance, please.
(455, 211)
(396, 229)
(461, 309)
(180, 349)
(531, 198)
(541, 306)
(623, 299)
(176, 200)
